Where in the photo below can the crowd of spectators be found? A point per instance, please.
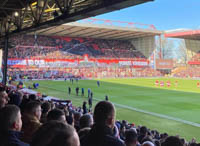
(34, 46)
(24, 46)
(192, 70)
(26, 119)
(188, 72)
(84, 72)
(196, 57)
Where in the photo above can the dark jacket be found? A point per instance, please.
(100, 136)
(12, 139)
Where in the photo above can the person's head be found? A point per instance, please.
(34, 108)
(86, 121)
(143, 130)
(15, 97)
(56, 114)
(77, 116)
(172, 141)
(10, 118)
(55, 133)
(131, 138)
(33, 97)
(104, 114)
(148, 143)
(3, 98)
(46, 107)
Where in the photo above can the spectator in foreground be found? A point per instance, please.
(172, 141)
(101, 132)
(143, 134)
(56, 114)
(31, 120)
(148, 143)
(131, 138)
(55, 133)
(86, 121)
(3, 98)
(46, 107)
(10, 126)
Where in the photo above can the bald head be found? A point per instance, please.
(147, 143)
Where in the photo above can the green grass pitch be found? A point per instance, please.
(181, 101)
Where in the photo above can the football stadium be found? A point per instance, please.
(66, 75)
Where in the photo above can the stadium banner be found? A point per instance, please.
(164, 64)
(65, 63)
(194, 62)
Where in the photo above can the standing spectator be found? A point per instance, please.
(69, 90)
(31, 120)
(77, 91)
(101, 132)
(82, 91)
(10, 126)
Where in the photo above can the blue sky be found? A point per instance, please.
(164, 14)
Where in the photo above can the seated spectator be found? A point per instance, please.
(101, 132)
(31, 120)
(56, 114)
(172, 141)
(10, 126)
(131, 138)
(55, 133)
(3, 98)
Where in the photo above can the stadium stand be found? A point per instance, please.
(40, 57)
(192, 70)
(43, 46)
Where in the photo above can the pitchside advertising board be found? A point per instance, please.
(24, 63)
(164, 64)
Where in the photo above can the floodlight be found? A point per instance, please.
(16, 14)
